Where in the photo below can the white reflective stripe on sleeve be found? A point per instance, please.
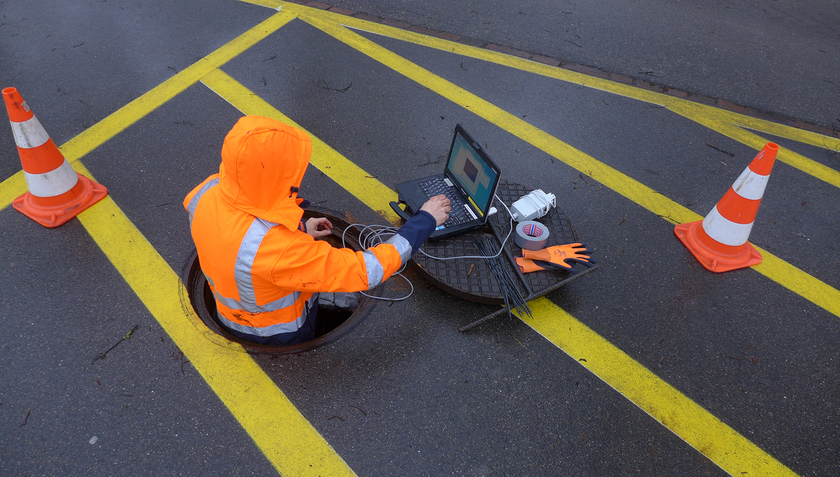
(750, 185)
(194, 202)
(53, 183)
(29, 133)
(724, 230)
(402, 246)
(375, 271)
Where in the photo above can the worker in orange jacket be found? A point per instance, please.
(261, 260)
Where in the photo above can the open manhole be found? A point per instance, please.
(330, 325)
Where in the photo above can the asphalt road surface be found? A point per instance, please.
(637, 116)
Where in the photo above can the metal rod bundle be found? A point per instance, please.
(510, 292)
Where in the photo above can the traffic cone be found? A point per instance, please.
(719, 241)
(57, 193)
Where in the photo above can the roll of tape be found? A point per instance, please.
(531, 235)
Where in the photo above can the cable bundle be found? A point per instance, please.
(510, 293)
(371, 236)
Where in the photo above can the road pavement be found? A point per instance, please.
(651, 365)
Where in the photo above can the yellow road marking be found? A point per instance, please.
(715, 122)
(696, 426)
(792, 278)
(281, 432)
(132, 112)
(699, 113)
(767, 127)
(348, 175)
(699, 428)
(264, 3)
(11, 188)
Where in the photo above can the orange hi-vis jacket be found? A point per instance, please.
(265, 273)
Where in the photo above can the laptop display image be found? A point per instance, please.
(469, 180)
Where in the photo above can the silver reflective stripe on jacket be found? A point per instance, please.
(271, 330)
(242, 272)
(194, 202)
(402, 246)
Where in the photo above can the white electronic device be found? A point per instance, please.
(532, 206)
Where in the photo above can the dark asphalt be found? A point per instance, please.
(405, 393)
(778, 56)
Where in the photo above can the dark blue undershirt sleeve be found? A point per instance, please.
(417, 229)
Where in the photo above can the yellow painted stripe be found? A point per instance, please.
(482, 54)
(523, 64)
(348, 175)
(11, 188)
(797, 281)
(810, 288)
(140, 107)
(768, 127)
(716, 122)
(263, 3)
(700, 429)
(132, 112)
(286, 438)
(699, 113)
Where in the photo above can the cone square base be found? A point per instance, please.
(715, 256)
(50, 214)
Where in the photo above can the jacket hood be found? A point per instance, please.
(263, 162)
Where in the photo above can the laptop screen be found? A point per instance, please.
(474, 172)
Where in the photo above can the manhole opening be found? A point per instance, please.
(330, 325)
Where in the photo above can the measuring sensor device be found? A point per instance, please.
(532, 206)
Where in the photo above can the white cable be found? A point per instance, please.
(371, 236)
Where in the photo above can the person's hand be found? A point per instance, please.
(439, 207)
(318, 227)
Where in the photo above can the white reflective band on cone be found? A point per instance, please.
(29, 133)
(53, 183)
(750, 185)
(724, 230)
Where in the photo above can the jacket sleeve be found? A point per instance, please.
(418, 229)
(316, 266)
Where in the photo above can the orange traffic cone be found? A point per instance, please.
(720, 243)
(57, 193)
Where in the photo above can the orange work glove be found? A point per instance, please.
(557, 257)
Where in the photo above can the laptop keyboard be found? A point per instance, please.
(460, 213)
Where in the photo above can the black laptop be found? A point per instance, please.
(469, 180)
